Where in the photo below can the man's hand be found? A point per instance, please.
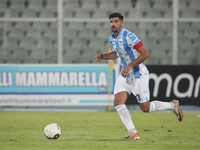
(99, 57)
(126, 70)
(106, 56)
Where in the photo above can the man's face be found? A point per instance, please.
(116, 24)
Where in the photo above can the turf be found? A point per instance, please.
(98, 131)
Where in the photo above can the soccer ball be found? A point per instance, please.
(52, 131)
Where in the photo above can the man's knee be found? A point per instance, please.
(146, 110)
(145, 107)
(120, 98)
(117, 101)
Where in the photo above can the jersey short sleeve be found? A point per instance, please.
(133, 41)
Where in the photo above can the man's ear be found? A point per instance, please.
(122, 23)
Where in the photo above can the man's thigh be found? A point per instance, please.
(141, 89)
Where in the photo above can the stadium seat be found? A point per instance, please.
(194, 4)
(10, 43)
(104, 34)
(51, 33)
(17, 4)
(14, 56)
(108, 5)
(29, 13)
(188, 13)
(134, 13)
(53, 25)
(67, 13)
(94, 25)
(69, 34)
(183, 5)
(165, 48)
(51, 4)
(71, 56)
(166, 27)
(130, 25)
(165, 61)
(19, 52)
(27, 43)
(167, 13)
(87, 33)
(34, 56)
(184, 42)
(161, 5)
(138, 31)
(197, 43)
(48, 13)
(79, 43)
(80, 13)
(147, 26)
(37, 5)
(100, 13)
(142, 5)
(88, 56)
(3, 58)
(16, 33)
(75, 25)
(156, 33)
(166, 45)
(34, 33)
(183, 26)
(152, 13)
(89, 4)
(125, 5)
(191, 33)
(186, 56)
(151, 61)
(7, 26)
(44, 43)
(71, 4)
(51, 53)
(96, 43)
(196, 25)
(23, 26)
(3, 5)
(66, 43)
(150, 43)
(42, 26)
(106, 25)
(11, 13)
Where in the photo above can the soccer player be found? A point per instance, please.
(134, 75)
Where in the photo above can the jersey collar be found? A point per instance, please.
(119, 35)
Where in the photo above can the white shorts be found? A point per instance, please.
(139, 87)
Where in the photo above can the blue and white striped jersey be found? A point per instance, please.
(126, 45)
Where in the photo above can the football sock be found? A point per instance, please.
(126, 118)
(159, 106)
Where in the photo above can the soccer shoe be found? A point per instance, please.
(131, 136)
(177, 110)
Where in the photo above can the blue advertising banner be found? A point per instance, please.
(50, 79)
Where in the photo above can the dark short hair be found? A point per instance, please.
(116, 14)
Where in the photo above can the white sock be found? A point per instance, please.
(126, 118)
(159, 106)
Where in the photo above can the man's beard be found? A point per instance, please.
(114, 29)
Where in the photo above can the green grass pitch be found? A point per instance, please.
(98, 131)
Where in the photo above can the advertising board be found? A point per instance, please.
(55, 85)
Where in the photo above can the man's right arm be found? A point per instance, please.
(111, 55)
